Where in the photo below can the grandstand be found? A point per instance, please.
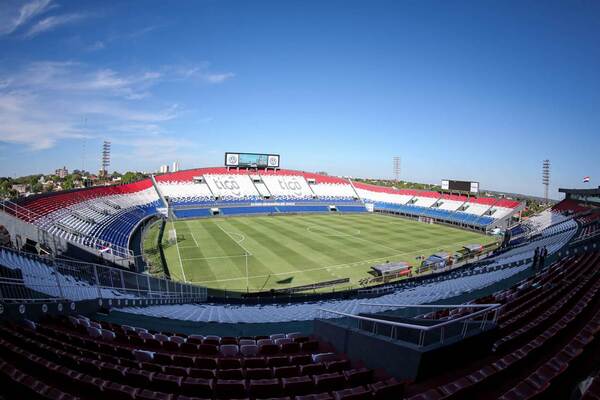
(295, 309)
(102, 220)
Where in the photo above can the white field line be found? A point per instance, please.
(239, 243)
(336, 266)
(213, 258)
(193, 237)
(241, 236)
(179, 253)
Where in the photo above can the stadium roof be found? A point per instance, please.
(582, 192)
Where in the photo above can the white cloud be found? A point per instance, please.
(24, 121)
(122, 37)
(45, 102)
(201, 73)
(72, 76)
(53, 22)
(14, 14)
(124, 113)
(218, 78)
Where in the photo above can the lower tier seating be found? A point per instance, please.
(452, 216)
(425, 292)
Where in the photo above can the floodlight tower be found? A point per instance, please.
(397, 168)
(105, 158)
(546, 177)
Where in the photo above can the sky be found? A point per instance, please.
(476, 90)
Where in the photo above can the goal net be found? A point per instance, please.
(172, 236)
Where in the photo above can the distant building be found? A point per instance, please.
(164, 169)
(20, 188)
(62, 172)
(175, 166)
(47, 185)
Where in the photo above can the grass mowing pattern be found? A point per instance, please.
(294, 250)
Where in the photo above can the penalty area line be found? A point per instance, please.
(236, 242)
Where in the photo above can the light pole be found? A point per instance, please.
(546, 177)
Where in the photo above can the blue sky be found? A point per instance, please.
(481, 90)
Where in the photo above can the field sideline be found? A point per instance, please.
(294, 250)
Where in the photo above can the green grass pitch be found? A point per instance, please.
(295, 250)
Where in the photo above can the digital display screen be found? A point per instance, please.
(259, 160)
(251, 160)
(460, 186)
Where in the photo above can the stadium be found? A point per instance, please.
(299, 200)
(276, 284)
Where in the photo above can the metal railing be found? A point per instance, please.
(30, 277)
(426, 332)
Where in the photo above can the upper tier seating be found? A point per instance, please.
(478, 211)
(46, 204)
(186, 192)
(232, 186)
(382, 194)
(287, 186)
(332, 191)
(500, 212)
(279, 184)
(570, 206)
(451, 202)
(101, 218)
(190, 174)
(260, 186)
(425, 199)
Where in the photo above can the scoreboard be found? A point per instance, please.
(251, 160)
(460, 186)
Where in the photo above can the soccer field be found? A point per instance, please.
(294, 250)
